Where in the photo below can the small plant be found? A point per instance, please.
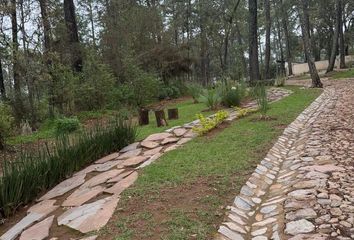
(279, 81)
(6, 123)
(209, 123)
(242, 112)
(211, 98)
(232, 94)
(66, 125)
(260, 93)
(195, 90)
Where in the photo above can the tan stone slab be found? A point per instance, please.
(183, 141)
(149, 144)
(45, 207)
(171, 148)
(106, 166)
(108, 158)
(130, 147)
(64, 187)
(90, 238)
(80, 196)
(16, 230)
(158, 136)
(131, 162)
(169, 140)
(151, 160)
(130, 154)
(152, 151)
(323, 168)
(89, 217)
(179, 132)
(120, 176)
(119, 187)
(190, 134)
(39, 231)
(101, 178)
(86, 170)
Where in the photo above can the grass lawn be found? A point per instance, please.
(185, 193)
(343, 74)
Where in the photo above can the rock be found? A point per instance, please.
(153, 151)
(119, 187)
(16, 230)
(101, 178)
(303, 194)
(336, 211)
(120, 176)
(230, 234)
(89, 217)
(130, 147)
(149, 144)
(179, 132)
(307, 213)
(183, 141)
(234, 227)
(44, 208)
(323, 168)
(80, 196)
(64, 187)
(297, 227)
(130, 154)
(240, 203)
(108, 158)
(316, 175)
(259, 232)
(268, 209)
(158, 136)
(39, 231)
(264, 222)
(134, 161)
(106, 166)
(90, 238)
(171, 148)
(169, 140)
(151, 160)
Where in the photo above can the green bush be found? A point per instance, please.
(66, 125)
(6, 123)
(34, 173)
(232, 94)
(211, 98)
(195, 90)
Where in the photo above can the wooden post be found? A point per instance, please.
(172, 113)
(160, 118)
(143, 117)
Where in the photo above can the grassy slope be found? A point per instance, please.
(225, 160)
(343, 74)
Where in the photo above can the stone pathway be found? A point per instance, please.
(86, 201)
(304, 187)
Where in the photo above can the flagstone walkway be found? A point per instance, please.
(86, 201)
(304, 187)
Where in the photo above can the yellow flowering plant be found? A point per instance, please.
(209, 123)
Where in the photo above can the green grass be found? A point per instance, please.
(225, 160)
(343, 74)
(187, 113)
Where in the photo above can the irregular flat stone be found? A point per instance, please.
(39, 231)
(149, 144)
(101, 178)
(89, 217)
(106, 166)
(45, 207)
(130, 154)
(323, 168)
(87, 170)
(120, 176)
(234, 227)
(64, 187)
(240, 203)
(179, 132)
(169, 140)
(158, 136)
(130, 147)
(298, 227)
(90, 238)
(134, 161)
(151, 160)
(316, 175)
(119, 187)
(264, 222)
(229, 233)
(108, 158)
(183, 141)
(268, 209)
(16, 230)
(80, 196)
(302, 194)
(153, 151)
(171, 148)
(190, 134)
(306, 213)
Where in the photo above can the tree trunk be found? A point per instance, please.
(267, 39)
(305, 25)
(287, 37)
(253, 42)
(341, 42)
(240, 50)
(18, 106)
(2, 84)
(143, 117)
(280, 42)
(160, 118)
(172, 113)
(332, 59)
(73, 36)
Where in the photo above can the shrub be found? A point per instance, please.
(6, 123)
(209, 123)
(232, 94)
(211, 98)
(66, 125)
(260, 93)
(279, 81)
(195, 90)
(33, 173)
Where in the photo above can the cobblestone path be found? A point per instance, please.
(304, 187)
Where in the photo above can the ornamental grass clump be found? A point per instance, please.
(261, 96)
(212, 98)
(30, 175)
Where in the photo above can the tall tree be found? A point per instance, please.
(267, 39)
(18, 104)
(2, 84)
(305, 29)
(341, 42)
(73, 35)
(284, 20)
(253, 41)
(335, 37)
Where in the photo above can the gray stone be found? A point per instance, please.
(130, 147)
(298, 227)
(149, 144)
(307, 213)
(229, 233)
(158, 136)
(268, 209)
(130, 154)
